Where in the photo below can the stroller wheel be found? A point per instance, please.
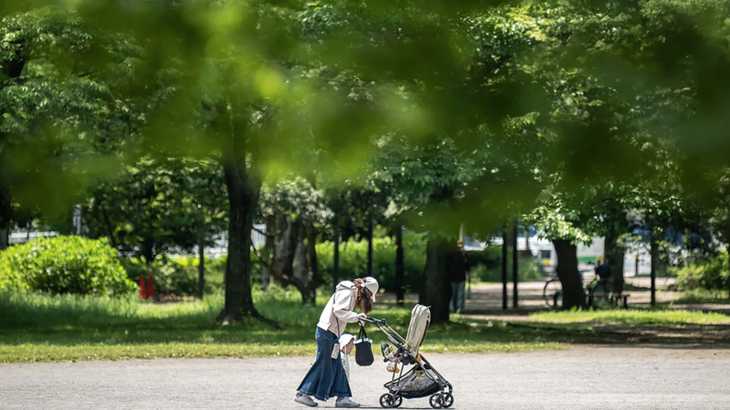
(447, 400)
(436, 401)
(387, 401)
(398, 401)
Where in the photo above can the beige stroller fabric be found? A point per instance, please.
(420, 320)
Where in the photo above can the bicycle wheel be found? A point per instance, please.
(552, 293)
(600, 296)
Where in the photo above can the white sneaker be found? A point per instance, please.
(305, 400)
(346, 402)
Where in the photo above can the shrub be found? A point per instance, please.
(487, 266)
(490, 257)
(170, 277)
(173, 275)
(64, 264)
(11, 280)
(711, 274)
(354, 261)
(178, 274)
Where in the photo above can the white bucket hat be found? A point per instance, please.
(372, 285)
(346, 338)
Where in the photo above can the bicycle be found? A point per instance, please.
(598, 294)
(600, 290)
(552, 292)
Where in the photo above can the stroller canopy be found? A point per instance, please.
(420, 320)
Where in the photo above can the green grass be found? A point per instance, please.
(57, 328)
(704, 296)
(69, 328)
(634, 317)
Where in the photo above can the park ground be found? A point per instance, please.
(583, 377)
(35, 328)
(73, 352)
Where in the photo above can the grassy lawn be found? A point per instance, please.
(66, 328)
(634, 317)
(704, 296)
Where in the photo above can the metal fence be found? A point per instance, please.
(20, 236)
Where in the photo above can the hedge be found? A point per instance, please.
(354, 261)
(64, 264)
(711, 274)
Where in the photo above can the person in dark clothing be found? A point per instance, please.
(458, 269)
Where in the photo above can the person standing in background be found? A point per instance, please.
(458, 269)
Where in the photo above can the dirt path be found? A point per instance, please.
(647, 377)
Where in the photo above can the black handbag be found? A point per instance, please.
(363, 348)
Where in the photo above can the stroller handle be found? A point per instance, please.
(373, 320)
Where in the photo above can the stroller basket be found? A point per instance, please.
(422, 379)
(414, 384)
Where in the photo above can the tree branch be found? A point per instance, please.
(258, 255)
(275, 234)
(284, 279)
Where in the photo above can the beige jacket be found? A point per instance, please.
(338, 311)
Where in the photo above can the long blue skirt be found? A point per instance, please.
(326, 378)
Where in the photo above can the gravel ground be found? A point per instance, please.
(658, 377)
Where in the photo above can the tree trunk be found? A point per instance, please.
(615, 259)
(303, 272)
(336, 260)
(313, 263)
(301, 267)
(268, 253)
(727, 248)
(148, 250)
(109, 230)
(505, 260)
(243, 193)
(201, 266)
(527, 253)
(568, 273)
(654, 254)
(400, 292)
(285, 245)
(311, 250)
(11, 69)
(436, 289)
(4, 238)
(515, 268)
(370, 245)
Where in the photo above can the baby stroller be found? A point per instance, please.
(422, 379)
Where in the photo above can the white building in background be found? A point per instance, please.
(544, 250)
(220, 248)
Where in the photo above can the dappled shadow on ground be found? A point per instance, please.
(679, 347)
(605, 333)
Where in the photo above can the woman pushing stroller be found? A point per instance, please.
(326, 378)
